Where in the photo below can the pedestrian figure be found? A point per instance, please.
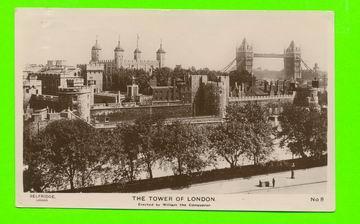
(273, 182)
(292, 171)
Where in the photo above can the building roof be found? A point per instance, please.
(160, 50)
(96, 46)
(137, 50)
(118, 47)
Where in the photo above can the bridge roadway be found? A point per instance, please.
(191, 120)
(268, 55)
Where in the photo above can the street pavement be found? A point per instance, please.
(310, 181)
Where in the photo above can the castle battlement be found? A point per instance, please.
(261, 98)
(107, 61)
(78, 89)
(95, 66)
(47, 97)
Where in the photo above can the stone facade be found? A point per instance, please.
(77, 99)
(56, 75)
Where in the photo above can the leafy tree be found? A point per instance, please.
(183, 147)
(206, 100)
(123, 77)
(230, 141)
(63, 152)
(149, 130)
(303, 130)
(237, 76)
(255, 117)
(125, 152)
(163, 76)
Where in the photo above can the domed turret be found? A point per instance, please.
(96, 45)
(118, 55)
(118, 47)
(95, 52)
(160, 50)
(160, 55)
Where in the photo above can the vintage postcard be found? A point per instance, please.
(175, 109)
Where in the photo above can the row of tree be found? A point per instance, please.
(72, 154)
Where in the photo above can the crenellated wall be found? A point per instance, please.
(116, 114)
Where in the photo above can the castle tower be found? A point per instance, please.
(244, 57)
(118, 55)
(137, 52)
(95, 52)
(77, 99)
(160, 56)
(224, 93)
(292, 62)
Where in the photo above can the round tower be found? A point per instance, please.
(95, 52)
(77, 99)
(118, 55)
(160, 56)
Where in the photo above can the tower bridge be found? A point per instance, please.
(291, 56)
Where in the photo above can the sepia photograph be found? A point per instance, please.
(175, 109)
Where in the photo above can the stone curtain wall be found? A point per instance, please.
(131, 113)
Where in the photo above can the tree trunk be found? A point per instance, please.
(179, 166)
(149, 170)
(131, 175)
(71, 179)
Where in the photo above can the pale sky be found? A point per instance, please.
(190, 38)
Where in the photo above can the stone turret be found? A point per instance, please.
(95, 52)
(160, 56)
(118, 55)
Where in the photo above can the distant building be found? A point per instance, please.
(31, 86)
(56, 75)
(291, 56)
(244, 57)
(94, 76)
(292, 62)
(107, 69)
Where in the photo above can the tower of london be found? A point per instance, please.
(105, 68)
